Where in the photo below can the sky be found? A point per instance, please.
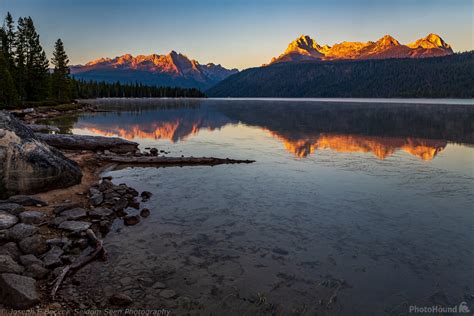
(235, 33)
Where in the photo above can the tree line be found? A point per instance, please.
(26, 78)
(435, 77)
(83, 89)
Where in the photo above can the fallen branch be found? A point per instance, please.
(99, 251)
(85, 142)
(159, 161)
(43, 128)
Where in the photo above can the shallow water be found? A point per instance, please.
(350, 208)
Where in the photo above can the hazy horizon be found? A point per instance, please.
(236, 34)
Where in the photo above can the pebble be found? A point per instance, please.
(168, 294)
(120, 299)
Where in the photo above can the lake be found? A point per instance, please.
(350, 208)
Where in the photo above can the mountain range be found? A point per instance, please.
(176, 69)
(173, 69)
(304, 48)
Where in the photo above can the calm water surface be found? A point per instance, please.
(350, 208)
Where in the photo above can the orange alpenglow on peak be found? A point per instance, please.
(305, 48)
(172, 69)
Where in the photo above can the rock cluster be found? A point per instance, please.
(27, 165)
(29, 254)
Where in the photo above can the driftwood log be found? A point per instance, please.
(98, 252)
(39, 128)
(162, 161)
(83, 142)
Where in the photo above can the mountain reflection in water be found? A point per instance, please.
(303, 128)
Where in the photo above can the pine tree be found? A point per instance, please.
(60, 84)
(8, 96)
(20, 58)
(9, 40)
(37, 84)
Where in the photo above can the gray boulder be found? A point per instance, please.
(35, 245)
(28, 260)
(74, 226)
(7, 220)
(11, 249)
(100, 212)
(8, 265)
(52, 258)
(36, 271)
(12, 208)
(31, 217)
(74, 214)
(27, 165)
(18, 291)
(58, 209)
(26, 200)
(21, 231)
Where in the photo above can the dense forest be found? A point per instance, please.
(437, 77)
(82, 89)
(27, 80)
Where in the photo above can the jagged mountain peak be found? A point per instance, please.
(172, 69)
(432, 40)
(305, 48)
(387, 41)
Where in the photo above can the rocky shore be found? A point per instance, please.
(40, 240)
(57, 209)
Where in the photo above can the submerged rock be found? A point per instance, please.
(146, 195)
(130, 220)
(145, 212)
(28, 165)
(18, 291)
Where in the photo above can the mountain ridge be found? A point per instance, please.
(172, 69)
(305, 48)
(438, 77)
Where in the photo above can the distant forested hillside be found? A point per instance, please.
(440, 77)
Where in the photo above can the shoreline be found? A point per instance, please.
(64, 224)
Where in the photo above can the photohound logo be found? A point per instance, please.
(461, 308)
